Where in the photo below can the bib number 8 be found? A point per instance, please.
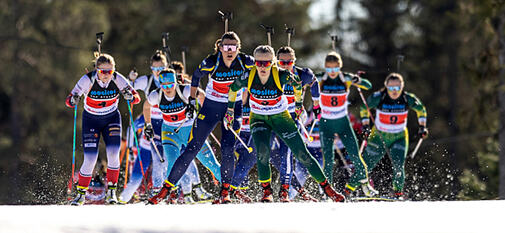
(334, 101)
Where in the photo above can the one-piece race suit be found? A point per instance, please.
(212, 112)
(174, 116)
(335, 120)
(269, 113)
(100, 117)
(391, 124)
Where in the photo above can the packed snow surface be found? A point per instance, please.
(446, 216)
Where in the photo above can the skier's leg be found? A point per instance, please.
(261, 133)
(208, 159)
(90, 139)
(245, 161)
(327, 130)
(348, 138)
(136, 176)
(228, 146)
(398, 155)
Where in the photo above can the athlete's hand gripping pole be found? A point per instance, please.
(228, 125)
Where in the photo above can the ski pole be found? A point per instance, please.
(416, 148)
(166, 49)
(157, 151)
(362, 147)
(225, 16)
(346, 165)
(180, 126)
(313, 125)
(71, 181)
(249, 149)
(135, 138)
(215, 139)
(290, 32)
(270, 32)
(304, 130)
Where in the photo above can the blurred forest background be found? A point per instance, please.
(451, 51)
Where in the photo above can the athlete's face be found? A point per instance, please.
(264, 62)
(286, 61)
(157, 67)
(105, 71)
(168, 88)
(394, 88)
(332, 65)
(229, 49)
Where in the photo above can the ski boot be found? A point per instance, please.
(188, 199)
(80, 196)
(162, 194)
(201, 193)
(331, 193)
(241, 196)
(110, 197)
(368, 190)
(267, 192)
(306, 196)
(399, 195)
(284, 193)
(224, 195)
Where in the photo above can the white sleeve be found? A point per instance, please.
(154, 98)
(82, 86)
(187, 91)
(121, 82)
(141, 83)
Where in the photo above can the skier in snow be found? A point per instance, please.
(222, 68)
(177, 120)
(390, 134)
(269, 113)
(334, 89)
(101, 89)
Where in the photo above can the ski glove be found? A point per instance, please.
(148, 131)
(190, 108)
(317, 111)
(228, 118)
(298, 110)
(72, 100)
(423, 132)
(365, 132)
(131, 95)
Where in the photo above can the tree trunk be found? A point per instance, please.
(501, 102)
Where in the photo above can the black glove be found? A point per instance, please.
(365, 132)
(355, 79)
(128, 95)
(148, 132)
(190, 108)
(72, 100)
(423, 132)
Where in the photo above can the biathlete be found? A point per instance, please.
(101, 89)
(223, 68)
(334, 90)
(269, 113)
(171, 99)
(390, 134)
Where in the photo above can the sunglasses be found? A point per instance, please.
(286, 62)
(230, 47)
(332, 70)
(168, 86)
(394, 88)
(158, 69)
(103, 71)
(263, 63)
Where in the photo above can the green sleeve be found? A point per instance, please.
(416, 105)
(238, 84)
(372, 102)
(363, 83)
